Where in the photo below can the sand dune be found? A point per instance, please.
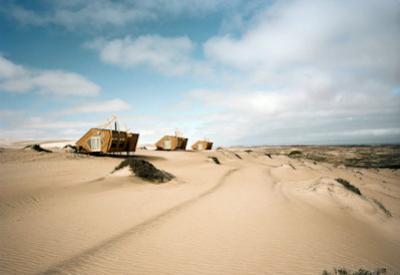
(252, 214)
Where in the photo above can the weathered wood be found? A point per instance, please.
(171, 143)
(202, 145)
(111, 141)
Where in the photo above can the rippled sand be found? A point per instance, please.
(60, 213)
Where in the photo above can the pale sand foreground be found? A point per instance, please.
(62, 213)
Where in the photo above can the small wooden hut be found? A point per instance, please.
(172, 143)
(105, 141)
(202, 145)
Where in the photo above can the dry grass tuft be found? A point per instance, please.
(37, 148)
(216, 160)
(349, 186)
(145, 170)
(383, 208)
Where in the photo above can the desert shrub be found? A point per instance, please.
(37, 148)
(316, 157)
(216, 160)
(268, 155)
(237, 155)
(349, 186)
(145, 170)
(295, 153)
(248, 151)
(382, 207)
(70, 148)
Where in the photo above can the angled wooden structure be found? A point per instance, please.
(105, 141)
(202, 145)
(171, 143)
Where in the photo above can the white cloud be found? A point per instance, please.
(168, 55)
(299, 102)
(9, 69)
(113, 105)
(101, 13)
(18, 79)
(327, 35)
(95, 14)
(292, 41)
(41, 123)
(300, 71)
(367, 132)
(21, 125)
(281, 117)
(318, 63)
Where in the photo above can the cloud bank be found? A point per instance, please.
(296, 71)
(17, 124)
(113, 105)
(61, 124)
(309, 71)
(167, 55)
(15, 78)
(97, 14)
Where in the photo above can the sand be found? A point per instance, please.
(69, 214)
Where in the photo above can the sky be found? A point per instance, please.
(236, 72)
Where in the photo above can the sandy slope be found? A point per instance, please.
(60, 213)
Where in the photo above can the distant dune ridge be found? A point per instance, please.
(379, 156)
(259, 210)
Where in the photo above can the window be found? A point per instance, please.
(95, 143)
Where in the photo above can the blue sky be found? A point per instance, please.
(237, 72)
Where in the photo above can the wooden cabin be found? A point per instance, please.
(202, 145)
(105, 141)
(172, 143)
